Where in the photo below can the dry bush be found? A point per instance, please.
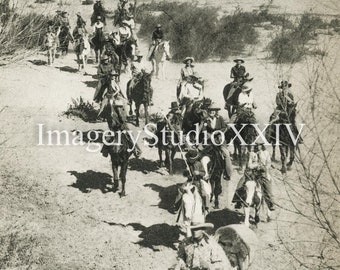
(313, 196)
(83, 110)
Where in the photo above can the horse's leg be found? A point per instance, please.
(160, 154)
(146, 113)
(291, 157)
(123, 170)
(274, 152)
(218, 187)
(283, 153)
(137, 114)
(168, 160)
(130, 110)
(250, 191)
(115, 176)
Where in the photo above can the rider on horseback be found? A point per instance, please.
(157, 37)
(188, 69)
(80, 21)
(98, 10)
(137, 69)
(131, 24)
(98, 24)
(105, 72)
(246, 97)
(215, 122)
(238, 71)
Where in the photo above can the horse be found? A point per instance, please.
(248, 133)
(192, 209)
(51, 42)
(230, 94)
(160, 54)
(64, 39)
(140, 94)
(193, 114)
(82, 50)
(125, 52)
(286, 144)
(97, 43)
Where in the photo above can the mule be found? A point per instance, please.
(97, 43)
(82, 50)
(160, 54)
(140, 94)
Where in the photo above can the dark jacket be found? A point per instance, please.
(238, 72)
(157, 34)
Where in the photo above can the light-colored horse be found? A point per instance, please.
(160, 55)
(82, 51)
(51, 45)
(254, 198)
(192, 207)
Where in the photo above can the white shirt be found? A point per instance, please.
(124, 32)
(246, 99)
(97, 25)
(131, 23)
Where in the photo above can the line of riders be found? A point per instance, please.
(199, 250)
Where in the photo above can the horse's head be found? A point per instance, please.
(164, 48)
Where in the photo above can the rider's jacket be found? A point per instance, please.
(157, 35)
(125, 33)
(246, 99)
(104, 69)
(284, 101)
(186, 72)
(238, 72)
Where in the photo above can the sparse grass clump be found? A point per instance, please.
(83, 110)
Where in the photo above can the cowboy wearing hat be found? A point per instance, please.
(98, 24)
(137, 69)
(104, 71)
(157, 37)
(246, 97)
(201, 251)
(131, 24)
(188, 69)
(98, 10)
(284, 99)
(238, 71)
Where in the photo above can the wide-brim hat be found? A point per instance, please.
(187, 59)
(202, 226)
(64, 12)
(213, 107)
(284, 84)
(99, 17)
(158, 26)
(239, 60)
(78, 14)
(130, 16)
(174, 105)
(246, 87)
(105, 57)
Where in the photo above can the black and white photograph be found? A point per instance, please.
(169, 135)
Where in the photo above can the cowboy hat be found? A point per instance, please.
(206, 103)
(64, 12)
(158, 26)
(201, 226)
(99, 17)
(187, 59)
(284, 84)
(130, 16)
(246, 87)
(212, 107)
(174, 105)
(105, 57)
(239, 60)
(78, 14)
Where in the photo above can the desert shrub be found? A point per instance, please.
(24, 31)
(195, 30)
(43, 1)
(83, 110)
(291, 46)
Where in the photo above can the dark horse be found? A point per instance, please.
(125, 52)
(64, 39)
(97, 43)
(140, 94)
(248, 133)
(286, 144)
(194, 114)
(170, 143)
(230, 94)
(119, 146)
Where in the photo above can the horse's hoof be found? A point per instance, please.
(122, 194)
(269, 219)
(217, 205)
(161, 164)
(257, 219)
(283, 170)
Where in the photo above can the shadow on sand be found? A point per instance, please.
(68, 69)
(90, 180)
(224, 217)
(38, 62)
(166, 194)
(91, 84)
(155, 235)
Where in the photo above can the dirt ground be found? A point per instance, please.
(56, 210)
